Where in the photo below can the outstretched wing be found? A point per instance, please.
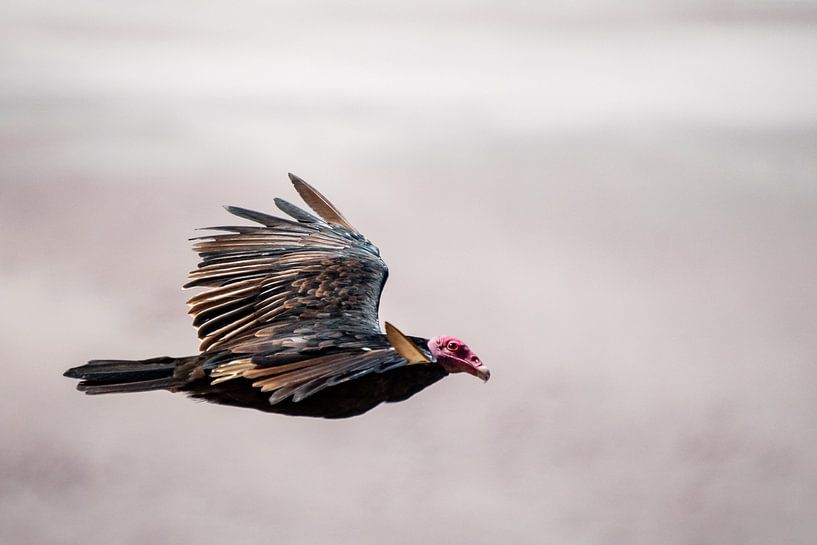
(298, 359)
(305, 377)
(314, 270)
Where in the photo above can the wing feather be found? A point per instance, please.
(304, 378)
(405, 346)
(296, 212)
(312, 270)
(320, 204)
(259, 217)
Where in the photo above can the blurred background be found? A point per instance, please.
(614, 204)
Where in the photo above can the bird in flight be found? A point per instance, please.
(288, 323)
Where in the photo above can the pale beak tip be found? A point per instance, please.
(483, 373)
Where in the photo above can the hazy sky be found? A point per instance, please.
(615, 207)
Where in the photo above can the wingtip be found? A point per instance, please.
(319, 203)
(302, 186)
(75, 372)
(279, 202)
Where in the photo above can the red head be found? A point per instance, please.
(455, 357)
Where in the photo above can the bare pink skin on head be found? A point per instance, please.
(455, 357)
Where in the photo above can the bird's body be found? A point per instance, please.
(340, 401)
(288, 324)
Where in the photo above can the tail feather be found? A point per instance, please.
(114, 376)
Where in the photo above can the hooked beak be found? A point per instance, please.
(472, 366)
(482, 373)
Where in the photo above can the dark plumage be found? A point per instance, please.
(288, 323)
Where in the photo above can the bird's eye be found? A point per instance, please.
(452, 345)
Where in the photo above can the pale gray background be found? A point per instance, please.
(614, 203)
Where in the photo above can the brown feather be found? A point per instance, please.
(320, 204)
(404, 346)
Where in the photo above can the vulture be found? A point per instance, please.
(288, 323)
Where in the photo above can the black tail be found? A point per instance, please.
(114, 376)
